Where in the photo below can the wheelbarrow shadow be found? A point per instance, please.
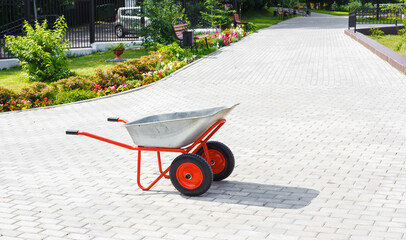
(254, 194)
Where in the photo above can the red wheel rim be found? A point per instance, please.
(189, 175)
(217, 161)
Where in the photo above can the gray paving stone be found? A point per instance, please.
(318, 139)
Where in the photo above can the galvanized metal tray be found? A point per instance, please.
(174, 130)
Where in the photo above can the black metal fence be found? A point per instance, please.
(88, 21)
(378, 16)
(373, 16)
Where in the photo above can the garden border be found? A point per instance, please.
(120, 93)
(393, 58)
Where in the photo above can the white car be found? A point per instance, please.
(128, 21)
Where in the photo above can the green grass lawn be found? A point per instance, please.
(85, 65)
(390, 41)
(262, 18)
(335, 13)
(15, 78)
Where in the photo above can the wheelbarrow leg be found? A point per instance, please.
(206, 153)
(160, 165)
(139, 174)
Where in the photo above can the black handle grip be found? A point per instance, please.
(113, 119)
(72, 132)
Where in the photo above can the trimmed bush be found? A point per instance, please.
(127, 70)
(107, 79)
(5, 95)
(73, 83)
(37, 91)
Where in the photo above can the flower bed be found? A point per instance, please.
(124, 76)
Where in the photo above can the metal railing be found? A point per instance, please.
(373, 16)
(88, 21)
(378, 16)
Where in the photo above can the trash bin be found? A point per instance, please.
(188, 39)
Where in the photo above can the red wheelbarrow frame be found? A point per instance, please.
(200, 142)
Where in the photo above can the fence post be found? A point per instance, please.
(377, 11)
(91, 24)
(27, 10)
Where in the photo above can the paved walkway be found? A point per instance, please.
(319, 141)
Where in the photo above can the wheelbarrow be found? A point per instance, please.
(201, 162)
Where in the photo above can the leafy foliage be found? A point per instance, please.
(176, 52)
(73, 83)
(118, 46)
(37, 91)
(5, 95)
(106, 79)
(335, 6)
(376, 31)
(353, 4)
(402, 33)
(217, 13)
(73, 96)
(42, 52)
(161, 14)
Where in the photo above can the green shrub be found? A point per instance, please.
(127, 70)
(335, 6)
(73, 83)
(106, 79)
(376, 31)
(120, 46)
(402, 41)
(251, 28)
(149, 63)
(5, 95)
(344, 8)
(73, 96)
(353, 4)
(201, 43)
(161, 14)
(174, 51)
(217, 13)
(37, 91)
(42, 52)
(368, 5)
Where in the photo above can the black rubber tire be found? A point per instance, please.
(201, 164)
(227, 154)
(119, 31)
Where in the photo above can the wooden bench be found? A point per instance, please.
(180, 28)
(237, 20)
